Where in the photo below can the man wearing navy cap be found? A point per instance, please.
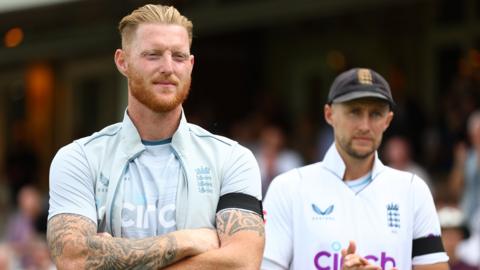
(350, 211)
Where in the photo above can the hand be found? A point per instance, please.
(352, 261)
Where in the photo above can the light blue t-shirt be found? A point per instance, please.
(150, 192)
(359, 184)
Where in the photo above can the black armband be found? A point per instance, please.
(427, 245)
(240, 201)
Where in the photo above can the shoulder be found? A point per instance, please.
(399, 179)
(220, 145)
(71, 153)
(80, 150)
(107, 133)
(397, 175)
(208, 137)
(292, 178)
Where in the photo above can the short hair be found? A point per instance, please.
(152, 14)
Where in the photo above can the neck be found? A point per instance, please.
(356, 167)
(153, 126)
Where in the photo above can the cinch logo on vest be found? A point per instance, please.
(138, 216)
(325, 260)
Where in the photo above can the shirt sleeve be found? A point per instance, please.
(241, 173)
(71, 184)
(278, 224)
(426, 225)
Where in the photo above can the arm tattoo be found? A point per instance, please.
(75, 232)
(230, 221)
(67, 229)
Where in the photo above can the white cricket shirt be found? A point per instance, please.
(311, 214)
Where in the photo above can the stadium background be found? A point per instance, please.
(257, 63)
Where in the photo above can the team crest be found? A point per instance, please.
(393, 215)
(204, 179)
(104, 184)
(104, 180)
(364, 76)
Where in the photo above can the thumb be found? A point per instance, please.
(350, 250)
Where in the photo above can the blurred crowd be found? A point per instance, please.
(443, 150)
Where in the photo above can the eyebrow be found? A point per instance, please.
(161, 51)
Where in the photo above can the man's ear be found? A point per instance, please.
(121, 62)
(388, 120)
(328, 113)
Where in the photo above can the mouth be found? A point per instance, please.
(165, 83)
(362, 139)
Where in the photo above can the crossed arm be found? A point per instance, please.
(242, 240)
(75, 244)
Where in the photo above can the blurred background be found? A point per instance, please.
(262, 73)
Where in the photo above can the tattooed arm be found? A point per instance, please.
(242, 239)
(75, 244)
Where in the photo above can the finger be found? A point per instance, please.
(364, 261)
(351, 247)
(352, 263)
(353, 260)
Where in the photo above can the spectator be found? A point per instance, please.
(454, 231)
(273, 156)
(469, 249)
(465, 175)
(8, 260)
(40, 255)
(21, 230)
(397, 154)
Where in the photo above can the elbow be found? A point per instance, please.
(255, 257)
(71, 257)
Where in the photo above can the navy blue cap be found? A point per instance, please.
(359, 83)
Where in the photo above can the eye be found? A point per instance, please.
(151, 55)
(354, 112)
(179, 56)
(376, 114)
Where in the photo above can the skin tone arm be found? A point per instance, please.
(75, 244)
(242, 240)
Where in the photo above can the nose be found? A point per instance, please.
(166, 64)
(364, 122)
